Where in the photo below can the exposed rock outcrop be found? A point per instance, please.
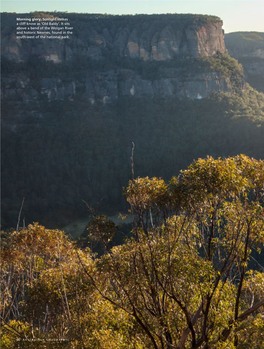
(109, 86)
(157, 37)
(248, 48)
(245, 44)
(88, 64)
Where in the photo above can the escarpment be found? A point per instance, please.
(107, 57)
(71, 109)
(156, 37)
(248, 49)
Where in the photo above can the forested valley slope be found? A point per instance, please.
(72, 108)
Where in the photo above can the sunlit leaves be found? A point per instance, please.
(143, 193)
(102, 229)
(196, 259)
(46, 285)
(182, 280)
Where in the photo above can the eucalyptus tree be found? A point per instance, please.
(184, 277)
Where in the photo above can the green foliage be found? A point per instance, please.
(81, 152)
(227, 67)
(247, 48)
(251, 333)
(48, 299)
(102, 229)
(244, 42)
(185, 66)
(183, 279)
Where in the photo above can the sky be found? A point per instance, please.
(237, 15)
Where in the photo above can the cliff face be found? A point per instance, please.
(248, 48)
(107, 57)
(146, 37)
(108, 86)
(71, 109)
(245, 44)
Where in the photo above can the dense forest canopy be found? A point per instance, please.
(245, 41)
(62, 147)
(109, 121)
(81, 152)
(183, 280)
(248, 48)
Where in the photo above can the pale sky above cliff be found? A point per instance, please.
(237, 15)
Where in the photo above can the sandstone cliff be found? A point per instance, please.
(71, 109)
(107, 57)
(156, 37)
(245, 44)
(248, 48)
(109, 86)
